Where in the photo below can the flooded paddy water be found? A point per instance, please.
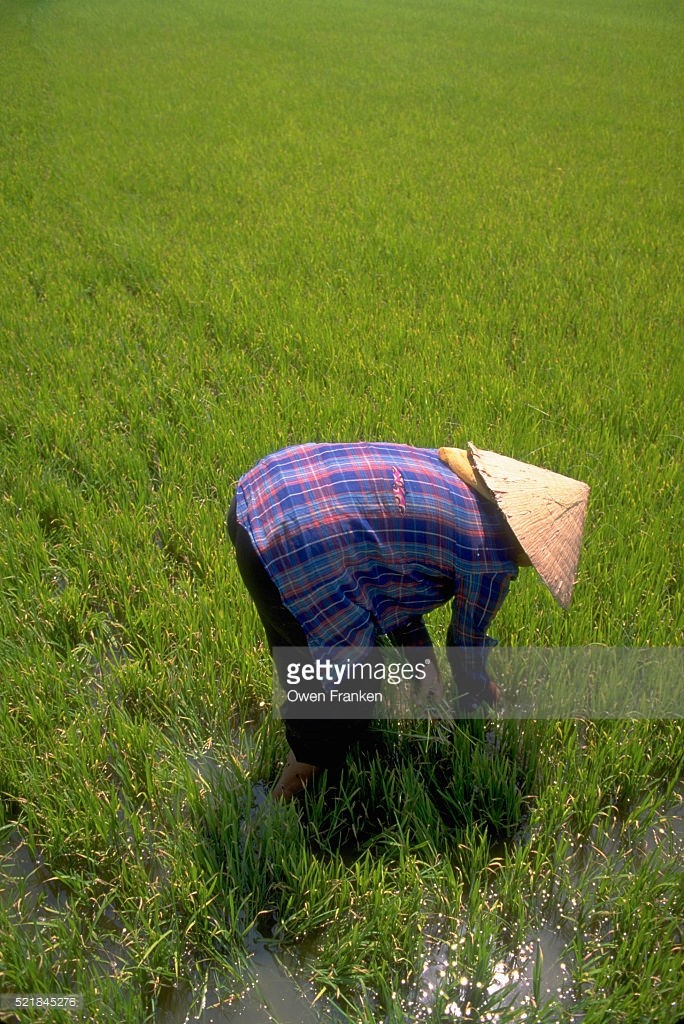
(272, 993)
(277, 988)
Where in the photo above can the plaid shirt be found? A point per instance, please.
(363, 539)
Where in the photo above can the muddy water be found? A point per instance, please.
(271, 994)
(274, 995)
(29, 888)
(272, 991)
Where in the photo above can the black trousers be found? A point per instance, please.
(321, 742)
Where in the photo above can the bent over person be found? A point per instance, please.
(341, 544)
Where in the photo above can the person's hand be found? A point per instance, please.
(469, 704)
(494, 695)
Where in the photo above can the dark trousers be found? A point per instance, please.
(321, 742)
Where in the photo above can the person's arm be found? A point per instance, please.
(476, 601)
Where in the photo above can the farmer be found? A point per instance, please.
(340, 544)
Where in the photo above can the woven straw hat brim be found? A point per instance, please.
(457, 461)
(545, 510)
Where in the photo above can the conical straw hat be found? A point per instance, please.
(546, 511)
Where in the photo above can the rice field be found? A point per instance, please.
(228, 226)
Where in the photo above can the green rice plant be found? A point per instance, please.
(226, 228)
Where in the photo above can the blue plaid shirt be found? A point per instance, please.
(364, 539)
